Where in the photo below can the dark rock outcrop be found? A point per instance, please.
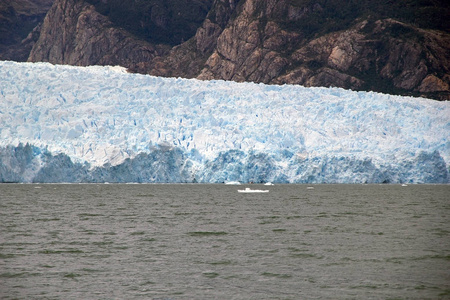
(19, 27)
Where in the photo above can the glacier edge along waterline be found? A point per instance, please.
(102, 124)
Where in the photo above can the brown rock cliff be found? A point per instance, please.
(74, 33)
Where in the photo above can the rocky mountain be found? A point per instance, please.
(74, 33)
(397, 47)
(279, 42)
(19, 26)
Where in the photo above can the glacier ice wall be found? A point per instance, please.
(97, 124)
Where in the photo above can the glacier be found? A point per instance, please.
(101, 124)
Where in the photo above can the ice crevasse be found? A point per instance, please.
(98, 124)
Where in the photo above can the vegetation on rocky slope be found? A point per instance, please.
(159, 21)
(18, 18)
(333, 15)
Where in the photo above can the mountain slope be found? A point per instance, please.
(74, 33)
(398, 47)
(270, 42)
(19, 26)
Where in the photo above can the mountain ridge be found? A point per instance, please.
(388, 46)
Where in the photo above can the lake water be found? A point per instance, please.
(118, 241)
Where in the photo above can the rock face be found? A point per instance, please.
(311, 43)
(368, 56)
(74, 33)
(188, 59)
(19, 26)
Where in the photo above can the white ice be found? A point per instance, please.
(104, 115)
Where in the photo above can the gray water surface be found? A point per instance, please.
(117, 241)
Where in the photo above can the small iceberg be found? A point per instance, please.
(268, 183)
(233, 182)
(249, 190)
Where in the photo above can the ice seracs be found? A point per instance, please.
(101, 124)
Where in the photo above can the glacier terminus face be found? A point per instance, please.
(102, 124)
